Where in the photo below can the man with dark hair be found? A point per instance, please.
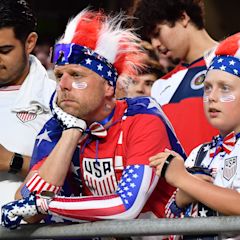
(25, 92)
(176, 29)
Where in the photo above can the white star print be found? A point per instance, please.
(203, 212)
(223, 68)
(220, 60)
(99, 67)
(74, 169)
(135, 176)
(129, 194)
(206, 148)
(109, 73)
(231, 62)
(153, 104)
(88, 61)
(132, 185)
(235, 71)
(43, 136)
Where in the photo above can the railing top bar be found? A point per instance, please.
(123, 228)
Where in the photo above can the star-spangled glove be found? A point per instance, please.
(68, 121)
(14, 212)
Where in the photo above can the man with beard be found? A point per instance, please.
(25, 92)
(91, 158)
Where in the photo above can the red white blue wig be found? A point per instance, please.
(227, 56)
(98, 42)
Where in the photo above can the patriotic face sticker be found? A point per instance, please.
(79, 85)
(222, 96)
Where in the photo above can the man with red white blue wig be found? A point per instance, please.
(90, 160)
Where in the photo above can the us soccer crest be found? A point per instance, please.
(99, 176)
(26, 116)
(230, 167)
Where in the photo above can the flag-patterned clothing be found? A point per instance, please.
(180, 93)
(224, 169)
(112, 175)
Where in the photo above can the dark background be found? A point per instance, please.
(222, 16)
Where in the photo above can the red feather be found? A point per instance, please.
(229, 46)
(87, 30)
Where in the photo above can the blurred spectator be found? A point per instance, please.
(25, 92)
(211, 185)
(42, 52)
(176, 29)
(141, 84)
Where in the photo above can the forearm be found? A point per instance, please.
(221, 199)
(127, 203)
(56, 165)
(6, 158)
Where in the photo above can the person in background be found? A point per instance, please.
(214, 189)
(141, 84)
(176, 29)
(42, 52)
(94, 150)
(25, 91)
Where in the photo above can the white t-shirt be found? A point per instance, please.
(24, 110)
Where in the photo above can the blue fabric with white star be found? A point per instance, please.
(147, 105)
(75, 54)
(130, 183)
(25, 207)
(227, 64)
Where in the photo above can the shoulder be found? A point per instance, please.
(175, 70)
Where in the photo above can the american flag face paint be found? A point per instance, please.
(79, 85)
(222, 98)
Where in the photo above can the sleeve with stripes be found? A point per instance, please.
(134, 188)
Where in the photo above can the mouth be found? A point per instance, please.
(163, 51)
(213, 110)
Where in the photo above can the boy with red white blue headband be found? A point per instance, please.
(213, 176)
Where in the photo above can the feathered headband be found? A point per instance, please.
(98, 42)
(227, 56)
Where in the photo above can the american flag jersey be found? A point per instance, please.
(225, 171)
(180, 93)
(110, 178)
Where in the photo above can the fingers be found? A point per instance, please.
(205, 178)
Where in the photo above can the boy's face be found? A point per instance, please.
(171, 40)
(222, 101)
(141, 85)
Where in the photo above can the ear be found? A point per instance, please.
(185, 19)
(31, 42)
(109, 90)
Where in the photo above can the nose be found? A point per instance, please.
(140, 88)
(212, 95)
(65, 82)
(156, 43)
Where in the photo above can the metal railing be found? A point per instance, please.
(121, 228)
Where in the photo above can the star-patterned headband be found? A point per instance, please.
(75, 54)
(227, 64)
